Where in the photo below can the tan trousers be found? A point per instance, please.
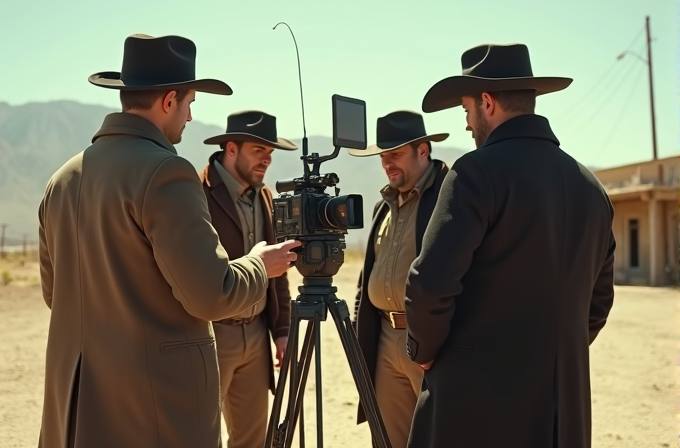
(243, 353)
(397, 384)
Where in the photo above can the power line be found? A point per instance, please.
(605, 76)
(597, 110)
(619, 119)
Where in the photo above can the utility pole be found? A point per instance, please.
(651, 97)
(2, 241)
(25, 244)
(651, 86)
(648, 62)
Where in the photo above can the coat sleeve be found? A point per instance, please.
(603, 292)
(46, 269)
(357, 298)
(282, 325)
(459, 222)
(187, 250)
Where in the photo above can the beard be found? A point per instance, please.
(173, 132)
(246, 173)
(402, 177)
(398, 181)
(482, 127)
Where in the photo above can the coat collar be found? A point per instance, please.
(522, 126)
(219, 191)
(124, 123)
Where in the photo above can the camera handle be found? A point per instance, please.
(317, 297)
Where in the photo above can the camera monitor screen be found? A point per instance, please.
(349, 122)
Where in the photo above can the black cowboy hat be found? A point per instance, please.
(490, 68)
(397, 129)
(252, 126)
(154, 63)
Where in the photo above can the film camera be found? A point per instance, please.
(320, 222)
(314, 217)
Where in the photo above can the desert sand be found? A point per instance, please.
(633, 364)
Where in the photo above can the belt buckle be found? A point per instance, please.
(391, 318)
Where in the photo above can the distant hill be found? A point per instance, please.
(37, 138)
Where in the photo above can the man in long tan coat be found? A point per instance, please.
(134, 272)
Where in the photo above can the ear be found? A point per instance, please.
(169, 101)
(423, 150)
(231, 149)
(489, 105)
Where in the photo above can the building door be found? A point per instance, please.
(633, 243)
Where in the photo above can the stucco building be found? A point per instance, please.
(646, 199)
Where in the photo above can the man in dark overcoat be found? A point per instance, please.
(399, 222)
(241, 209)
(514, 281)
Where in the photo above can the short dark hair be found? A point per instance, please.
(145, 99)
(522, 101)
(238, 143)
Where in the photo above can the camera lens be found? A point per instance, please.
(342, 212)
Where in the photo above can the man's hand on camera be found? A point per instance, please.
(277, 258)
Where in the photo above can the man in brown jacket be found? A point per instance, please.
(134, 272)
(241, 209)
(399, 222)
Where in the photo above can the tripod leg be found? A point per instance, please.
(278, 436)
(291, 347)
(295, 402)
(317, 372)
(340, 313)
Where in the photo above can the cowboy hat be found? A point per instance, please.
(397, 129)
(490, 68)
(252, 126)
(155, 63)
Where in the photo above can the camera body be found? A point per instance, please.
(311, 215)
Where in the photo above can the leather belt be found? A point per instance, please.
(240, 321)
(396, 319)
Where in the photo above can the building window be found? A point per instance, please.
(634, 243)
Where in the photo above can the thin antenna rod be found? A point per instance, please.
(302, 101)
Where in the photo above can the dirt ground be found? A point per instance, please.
(634, 365)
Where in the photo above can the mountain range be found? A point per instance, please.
(37, 138)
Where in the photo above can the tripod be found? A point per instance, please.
(317, 296)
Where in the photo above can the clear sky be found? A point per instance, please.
(385, 52)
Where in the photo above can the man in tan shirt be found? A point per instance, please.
(240, 206)
(399, 222)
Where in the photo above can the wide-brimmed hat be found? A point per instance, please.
(490, 68)
(252, 126)
(155, 63)
(397, 129)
